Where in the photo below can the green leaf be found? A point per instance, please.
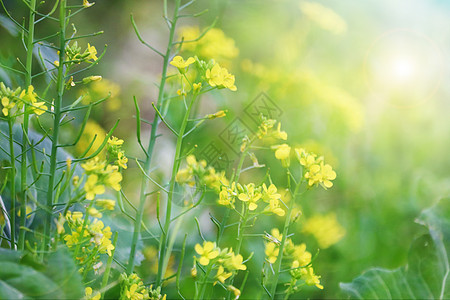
(426, 276)
(21, 277)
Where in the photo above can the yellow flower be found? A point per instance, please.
(236, 292)
(93, 165)
(274, 207)
(306, 159)
(234, 262)
(325, 228)
(222, 275)
(301, 255)
(88, 294)
(87, 4)
(218, 76)
(7, 106)
(60, 224)
(92, 187)
(106, 246)
(113, 141)
(219, 114)
(90, 79)
(91, 49)
(227, 195)
(94, 212)
(207, 252)
(270, 193)
(320, 174)
(179, 62)
(122, 159)
(272, 251)
(72, 239)
(251, 196)
(28, 211)
(133, 294)
(310, 278)
(281, 134)
(106, 203)
(282, 152)
(113, 180)
(197, 87)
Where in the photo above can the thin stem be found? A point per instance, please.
(287, 223)
(57, 116)
(26, 119)
(176, 166)
(151, 145)
(13, 184)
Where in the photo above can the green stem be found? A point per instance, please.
(287, 223)
(13, 183)
(108, 266)
(176, 166)
(203, 284)
(57, 117)
(151, 144)
(23, 162)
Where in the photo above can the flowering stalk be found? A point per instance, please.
(56, 123)
(23, 162)
(287, 224)
(151, 144)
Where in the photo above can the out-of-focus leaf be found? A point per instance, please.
(9, 25)
(22, 277)
(426, 276)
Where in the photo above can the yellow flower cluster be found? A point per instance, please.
(220, 77)
(198, 171)
(300, 259)
(325, 228)
(251, 196)
(99, 176)
(214, 44)
(133, 288)
(91, 238)
(76, 56)
(315, 170)
(14, 101)
(116, 153)
(223, 260)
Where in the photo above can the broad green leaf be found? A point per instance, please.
(23, 278)
(426, 276)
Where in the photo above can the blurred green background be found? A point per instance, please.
(363, 82)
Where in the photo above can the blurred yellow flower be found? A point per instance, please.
(213, 45)
(325, 229)
(323, 16)
(89, 295)
(92, 187)
(271, 251)
(282, 152)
